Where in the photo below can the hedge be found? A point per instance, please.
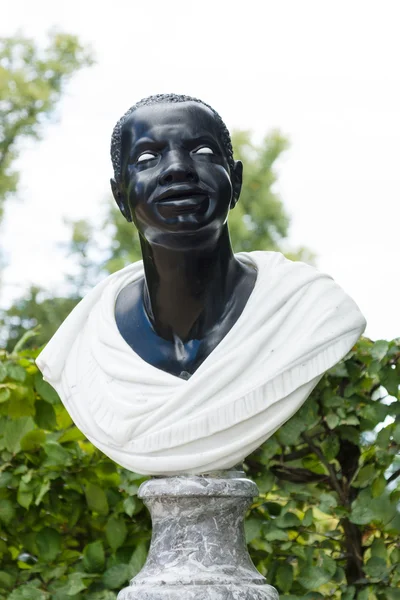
(326, 523)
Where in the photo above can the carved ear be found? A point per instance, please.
(120, 199)
(237, 178)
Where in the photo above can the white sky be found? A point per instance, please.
(327, 74)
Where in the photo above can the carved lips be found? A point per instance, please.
(182, 199)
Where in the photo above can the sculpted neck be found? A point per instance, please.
(186, 291)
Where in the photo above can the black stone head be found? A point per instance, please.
(174, 171)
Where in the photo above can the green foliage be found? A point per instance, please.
(71, 525)
(326, 524)
(36, 311)
(258, 221)
(31, 84)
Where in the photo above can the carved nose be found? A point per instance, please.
(178, 172)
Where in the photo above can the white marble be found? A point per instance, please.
(296, 325)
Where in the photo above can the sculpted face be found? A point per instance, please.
(175, 175)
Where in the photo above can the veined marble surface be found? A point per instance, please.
(198, 549)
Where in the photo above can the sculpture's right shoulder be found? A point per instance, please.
(102, 297)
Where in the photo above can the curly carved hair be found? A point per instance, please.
(157, 99)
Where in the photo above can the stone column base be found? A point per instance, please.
(198, 549)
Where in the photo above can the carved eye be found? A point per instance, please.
(145, 156)
(203, 150)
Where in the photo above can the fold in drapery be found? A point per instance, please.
(296, 325)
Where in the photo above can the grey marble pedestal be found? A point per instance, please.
(198, 549)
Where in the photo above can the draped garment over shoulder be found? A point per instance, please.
(297, 324)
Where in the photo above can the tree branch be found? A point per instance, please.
(393, 476)
(332, 473)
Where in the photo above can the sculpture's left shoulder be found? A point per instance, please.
(314, 297)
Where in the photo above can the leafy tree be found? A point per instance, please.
(328, 519)
(326, 524)
(259, 221)
(35, 312)
(32, 81)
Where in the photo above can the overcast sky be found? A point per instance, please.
(325, 73)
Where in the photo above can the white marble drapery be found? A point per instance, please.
(296, 325)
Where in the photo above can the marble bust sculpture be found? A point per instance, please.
(187, 361)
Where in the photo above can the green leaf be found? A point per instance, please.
(327, 503)
(376, 567)
(349, 593)
(378, 548)
(268, 450)
(72, 434)
(274, 533)
(346, 432)
(390, 380)
(379, 349)
(4, 393)
(378, 486)
(6, 580)
(331, 446)
(24, 498)
(74, 584)
(289, 519)
(332, 420)
(56, 454)
(308, 518)
(116, 576)
(375, 412)
(339, 370)
(284, 577)
(107, 473)
(94, 557)
(48, 541)
(22, 402)
(361, 514)
(63, 418)
(7, 511)
(392, 594)
(16, 372)
(53, 572)
(33, 440)
(138, 559)
(366, 474)
(396, 433)
(115, 532)
(5, 479)
(266, 482)
(252, 529)
(290, 433)
(312, 577)
(44, 488)
(45, 416)
(132, 505)
(15, 430)
(3, 371)
(27, 592)
(96, 499)
(45, 390)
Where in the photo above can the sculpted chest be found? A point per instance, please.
(177, 357)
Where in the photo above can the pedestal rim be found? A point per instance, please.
(236, 485)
